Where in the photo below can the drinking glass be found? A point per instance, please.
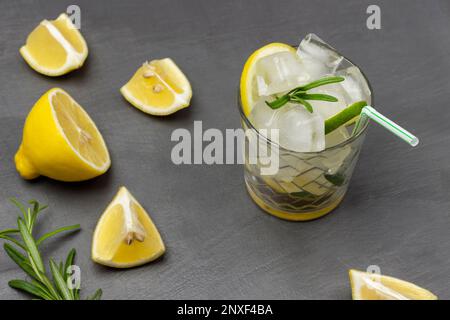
(307, 185)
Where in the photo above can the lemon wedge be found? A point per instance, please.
(370, 286)
(159, 88)
(55, 47)
(61, 141)
(125, 235)
(248, 77)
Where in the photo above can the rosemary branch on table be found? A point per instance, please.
(299, 95)
(23, 249)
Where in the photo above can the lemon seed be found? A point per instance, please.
(157, 88)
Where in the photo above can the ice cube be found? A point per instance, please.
(328, 109)
(355, 85)
(262, 116)
(261, 86)
(300, 130)
(280, 72)
(315, 69)
(319, 57)
(313, 50)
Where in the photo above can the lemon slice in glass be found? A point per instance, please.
(55, 47)
(159, 88)
(370, 286)
(61, 141)
(248, 86)
(125, 235)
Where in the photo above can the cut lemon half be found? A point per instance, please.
(125, 235)
(55, 47)
(159, 88)
(248, 86)
(61, 141)
(370, 286)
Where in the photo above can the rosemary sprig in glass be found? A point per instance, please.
(299, 95)
(23, 249)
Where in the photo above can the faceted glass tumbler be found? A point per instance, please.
(307, 185)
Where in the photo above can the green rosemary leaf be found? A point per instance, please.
(318, 96)
(300, 95)
(8, 231)
(31, 262)
(279, 102)
(55, 232)
(35, 205)
(20, 260)
(35, 257)
(37, 208)
(26, 212)
(60, 283)
(48, 284)
(305, 103)
(28, 288)
(296, 91)
(28, 221)
(13, 240)
(18, 205)
(61, 268)
(69, 261)
(321, 82)
(97, 295)
(44, 289)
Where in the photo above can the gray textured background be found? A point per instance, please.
(219, 244)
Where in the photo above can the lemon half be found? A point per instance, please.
(159, 88)
(55, 47)
(125, 235)
(61, 141)
(248, 87)
(369, 286)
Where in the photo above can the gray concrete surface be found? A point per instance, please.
(219, 244)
